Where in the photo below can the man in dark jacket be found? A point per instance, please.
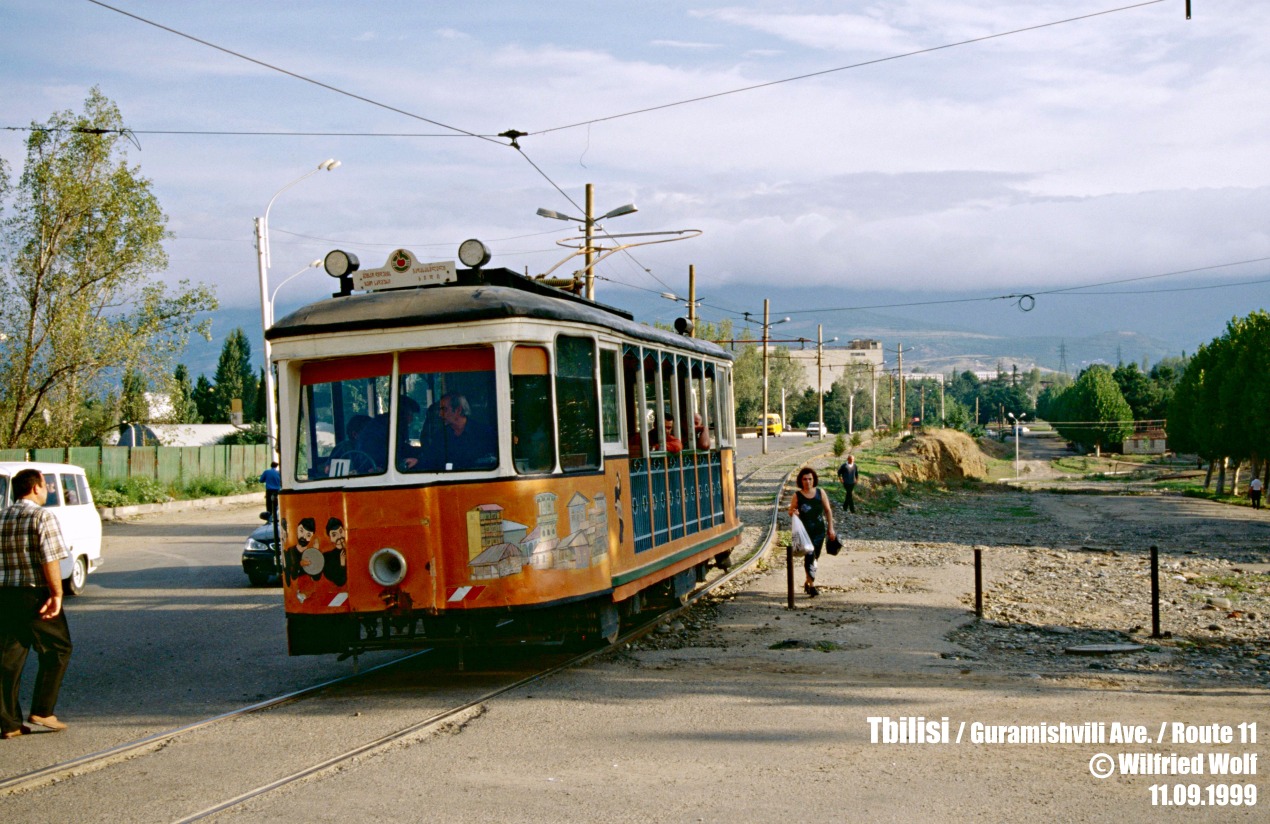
(849, 473)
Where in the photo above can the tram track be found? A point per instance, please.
(762, 481)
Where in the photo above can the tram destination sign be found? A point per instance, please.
(403, 270)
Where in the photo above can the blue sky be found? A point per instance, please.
(1124, 145)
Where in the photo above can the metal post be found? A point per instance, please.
(763, 422)
(789, 572)
(266, 321)
(978, 582)
(1155, 592)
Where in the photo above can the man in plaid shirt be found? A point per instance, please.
(31, 548)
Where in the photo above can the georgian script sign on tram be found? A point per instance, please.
(402, 271)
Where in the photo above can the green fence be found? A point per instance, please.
(169, 464)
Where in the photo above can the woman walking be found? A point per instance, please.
(811, 505)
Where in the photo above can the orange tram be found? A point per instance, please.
(470, 456)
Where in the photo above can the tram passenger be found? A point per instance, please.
(673, 443)
(466, 443)
(703, 437)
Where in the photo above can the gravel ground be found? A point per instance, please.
(1064, 571)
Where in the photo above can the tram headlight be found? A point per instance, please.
(339, 263)
(387, 567)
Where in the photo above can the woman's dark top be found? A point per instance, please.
(811, 511)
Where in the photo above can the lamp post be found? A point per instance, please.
(766, 327)
(274, 297)
(820, 383)
(588, 224)
(1018, 425)
(266, 302)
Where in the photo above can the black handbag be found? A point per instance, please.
(833, 546)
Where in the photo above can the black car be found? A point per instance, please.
(260, 556)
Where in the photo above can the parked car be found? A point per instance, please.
(260, 556)
(71, 502)
(816, 429)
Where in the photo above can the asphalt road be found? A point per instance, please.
(169, 631)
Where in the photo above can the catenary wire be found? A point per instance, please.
(296, 75)
(862, 64)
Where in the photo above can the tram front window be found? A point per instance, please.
(447, 410)
(343, 425)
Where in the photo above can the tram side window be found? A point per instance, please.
(671, 418)
(578, 399)
(343, 424)
(533, 433)
(610, 407)
(703, 410)
(710, 403)
(635, 423)
(652, 420)
(447, 410)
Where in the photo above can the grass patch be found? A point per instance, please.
(130, 491)
(1251, 584)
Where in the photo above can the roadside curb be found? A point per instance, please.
(119, 513)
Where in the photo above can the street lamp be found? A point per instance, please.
(266, 302)
(766, 327)
(1018, 425)
(820, 383)
(274, 297)
(588, 223)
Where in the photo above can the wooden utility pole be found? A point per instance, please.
(589, 255)
(820, 383)
(692, 301)
(900, 375)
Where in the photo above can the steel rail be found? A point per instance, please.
(103, 758)
(445, 715)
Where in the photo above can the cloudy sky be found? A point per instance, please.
(1127, 144)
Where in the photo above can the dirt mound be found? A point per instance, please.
(936, 455)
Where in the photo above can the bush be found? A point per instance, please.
(128, 491)
(840, 444)
(856, 439)
(216, 487)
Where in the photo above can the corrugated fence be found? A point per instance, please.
(170, 464)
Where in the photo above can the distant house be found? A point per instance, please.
(1149, 440)
(170, 434)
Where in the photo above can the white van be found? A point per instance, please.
(72, 502)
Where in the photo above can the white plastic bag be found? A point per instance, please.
(799, 540)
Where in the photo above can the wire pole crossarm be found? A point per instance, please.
(588, 250)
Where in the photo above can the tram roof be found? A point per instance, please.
(477, 295)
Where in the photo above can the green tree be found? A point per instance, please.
(235, 378)
(184, 407)
(1093, 411)
(134, 406)
(78, 307)
(204, 397)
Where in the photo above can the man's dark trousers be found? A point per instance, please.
(21, 629)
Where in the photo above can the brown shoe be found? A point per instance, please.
(47, 721)
(22, 730)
